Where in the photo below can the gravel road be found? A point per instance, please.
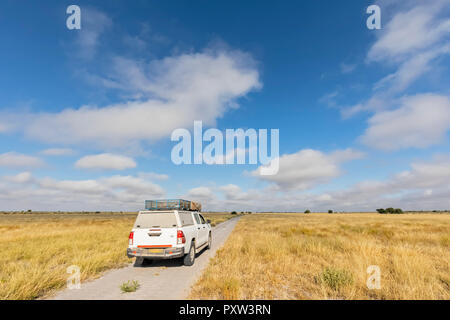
(164, 279)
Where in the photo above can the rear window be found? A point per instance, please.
(186, 218)
(155, 220)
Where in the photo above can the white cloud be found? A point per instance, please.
(410, 70)
(413, 41)
(58, 152)
(22, 177)
(153, 176)
(106, 161)
(174, 92)
(347, 68)
(112, 193)
(419, 122)
(17, 160)
(308, 167)
(200, 193)
(410, 31)
(93, 24)
(425, 186)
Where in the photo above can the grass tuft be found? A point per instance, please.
(129, 286)
(335, 278)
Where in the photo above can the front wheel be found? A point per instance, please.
(189, 259)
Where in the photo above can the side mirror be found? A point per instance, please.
(209, 221)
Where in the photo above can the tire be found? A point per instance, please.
(189, 258)
(209, 241)
(139, 261)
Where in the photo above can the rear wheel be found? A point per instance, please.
(139, 261)
(189, 259)
(209, 241)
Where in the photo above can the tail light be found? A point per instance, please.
(180, 237)
(130, 238)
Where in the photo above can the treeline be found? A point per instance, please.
(390, 211)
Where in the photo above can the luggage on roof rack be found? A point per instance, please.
(172, 204)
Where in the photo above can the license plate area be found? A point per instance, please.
(155, 250)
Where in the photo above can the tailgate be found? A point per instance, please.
(155, 237)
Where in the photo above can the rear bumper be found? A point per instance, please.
(166, 253)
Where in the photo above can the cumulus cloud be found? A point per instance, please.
(106, 161)
(58, 152)
(420, 121)
(18, 160)
(425, 186)
(307, 168)
(22, 177)
(200, 194)
(114, 193)
(175, 91)
(153, 176)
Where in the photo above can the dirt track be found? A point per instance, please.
(165, 279)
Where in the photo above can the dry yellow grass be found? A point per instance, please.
(325, 256)
(37, 248)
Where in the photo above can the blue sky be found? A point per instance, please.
(86, 115)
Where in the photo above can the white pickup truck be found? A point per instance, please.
(168, 234)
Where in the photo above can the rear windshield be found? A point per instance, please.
(186, 219)
(155, 220)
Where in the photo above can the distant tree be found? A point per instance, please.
(330, 211)
(307, 211)
(233, 212)
(390, 210)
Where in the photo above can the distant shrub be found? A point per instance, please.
(390, 210)
(233, 212)
(335, 278)
(307, 211)
(330, 211)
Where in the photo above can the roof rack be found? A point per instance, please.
(172, 204)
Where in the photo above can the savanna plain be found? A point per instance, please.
(267, 256)
(327, 256)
